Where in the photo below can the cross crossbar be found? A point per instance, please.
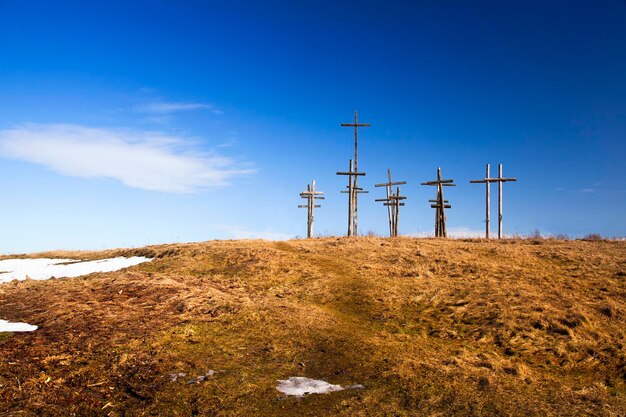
(355, 125)
(351, 173)
(446, 183)
(389, 184)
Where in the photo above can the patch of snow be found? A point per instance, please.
(174, 377)
(46, 268)
(6, 326)
(299, 386)
(201, 378)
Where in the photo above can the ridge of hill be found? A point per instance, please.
(427, 326)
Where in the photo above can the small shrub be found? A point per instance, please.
(593, 237)
(607, 311)
(561, 236)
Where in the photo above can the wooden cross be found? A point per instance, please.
(487, 182)
(440, 203)
(311, 195)
(392, 202)
(353, 199)
(353, 190)
(500, 179)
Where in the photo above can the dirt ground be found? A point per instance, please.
(427, 326)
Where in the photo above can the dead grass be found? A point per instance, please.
(429, 326)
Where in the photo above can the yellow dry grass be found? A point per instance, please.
(428, 326)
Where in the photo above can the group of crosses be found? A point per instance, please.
(393, 200)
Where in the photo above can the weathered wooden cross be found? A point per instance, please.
(440, 203)
(488, 181)
(311, 195)
(352, 191)
(355, 188)
(393, 203)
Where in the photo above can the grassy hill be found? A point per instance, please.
(429, 327)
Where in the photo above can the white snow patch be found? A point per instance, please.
(6, 326)
(46, 268)
(299, 386)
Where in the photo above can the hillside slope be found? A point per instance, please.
(429, 327)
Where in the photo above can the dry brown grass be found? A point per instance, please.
(429, 326)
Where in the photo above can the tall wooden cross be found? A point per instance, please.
(356, 126)
(393, 203)
(352, 191)
(440, 203)
(487, 183)
(500, 179)
(311, 195)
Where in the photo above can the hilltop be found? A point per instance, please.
(427, 326)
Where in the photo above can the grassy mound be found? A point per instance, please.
(429, 327)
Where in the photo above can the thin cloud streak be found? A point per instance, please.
(238, 232)
(454, 232)
(139, 159)
(593, 191)
(162, 107)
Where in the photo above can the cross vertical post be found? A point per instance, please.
(350, 201)
(393, 203)
(397, 211)
(311, 195)
(487, 205)
(389, 192)
(309, 223)
(352, 191)
(440, 203)
(487, 181)
(353, 199)
(500, 202)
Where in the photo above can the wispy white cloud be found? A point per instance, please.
(163, 107)
(140, 159)
(456, 232)
(464, 231)
(237, 232)
(589, 190)
(419, 234)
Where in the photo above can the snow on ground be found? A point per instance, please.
(299, 386)
(6, 326)
(45, 268)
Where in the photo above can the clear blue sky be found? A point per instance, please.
(127, 123)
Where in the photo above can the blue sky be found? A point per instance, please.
(129, 123)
